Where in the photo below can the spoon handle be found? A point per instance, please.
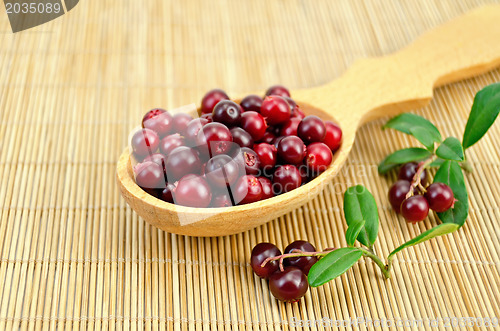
(464, 47)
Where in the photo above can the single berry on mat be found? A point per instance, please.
(440, 197)
(415, 209)
(259, 254)
(304, 263)
(289, 285)
(408, 171)
(397, 194)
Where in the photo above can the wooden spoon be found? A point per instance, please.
(371, 88)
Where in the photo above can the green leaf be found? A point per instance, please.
(359, 204)
(484, 111)
(437, 163)
(451, 149)
(403, 156)
(333, 265)
(436, 231)
(353, 231)
(417, 126)
(451, 174)
(424, 137)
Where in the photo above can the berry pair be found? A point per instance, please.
(290, 283)
(413, 206)
(234, 153)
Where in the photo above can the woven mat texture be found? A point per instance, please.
(73, 255)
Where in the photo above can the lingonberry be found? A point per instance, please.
(170, 142)
(193, 191)
(408, 171)
(241, 137)
(149, 175)
(304, 263)
(253, 123)
(180, 122)
(267, 155)
(221, 170)
(415, 209)
(216, 136)
(397, 194)
(311, 129)
(298, 113)
(192, 129)
(440, 197)
(249, 159)
(208, 117)
(291, 103)
(157, 158)
(286, 178)
(268, 138)
(211, 99)
(277, 140)
(260, 253)
(291, 150)
(167, 194)
(289, 128)
(251, 103)
(275, 110)
(278, 90)
(144, 142)
(318, 157)
(227, 112)
(182, 161)
(289, 285)
(267, 187)
(221, 200)
(158, 120)
(333, 136)
(247, 190)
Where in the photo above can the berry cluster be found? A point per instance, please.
(287, 273)
(233, 153)
(406, 198)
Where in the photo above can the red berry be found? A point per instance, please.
(247, 190)
(267, 187)
(408, 171)
(291, 150)
(318, 157)
(211, 99)
(193, 191)
(158, 120)
(290, 127)
(241, 137)
(415, 209)
(440, 197)
(275, 110)
(149, 175)
(268, 138)
(207, 117)
(182, 161)
(298, 113)
(170, 142)
(259, 254)
(157, 158)
(167, 194)
(333, 136)
(180, 122)
(145, 142)
(286, 178)
(192, 129)
(216, 137)
(311, 129)
(221, 170)
(304, 263)
(249, 159)
(289, 285)
(397, 194)
(253, 123)
(221, 200)
(227, 112)
(251, 103)
(267, 155)
(278, 90)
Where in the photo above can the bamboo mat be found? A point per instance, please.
(73, 255)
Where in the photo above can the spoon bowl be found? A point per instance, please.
(371, 88)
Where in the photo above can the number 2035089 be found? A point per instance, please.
(33, 8)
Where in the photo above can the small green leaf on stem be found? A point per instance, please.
(483, 114)
(451, 174)
(403, 156)
(359, 204)
(422, 129)
(436, 231)
(333, 265)
(451, 149)
(353, 231)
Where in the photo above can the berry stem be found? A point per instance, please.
(416, 182)
(297, 253)
(378, 261)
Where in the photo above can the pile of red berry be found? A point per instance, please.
(414, 206)
(233, 153)
(287, 282)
